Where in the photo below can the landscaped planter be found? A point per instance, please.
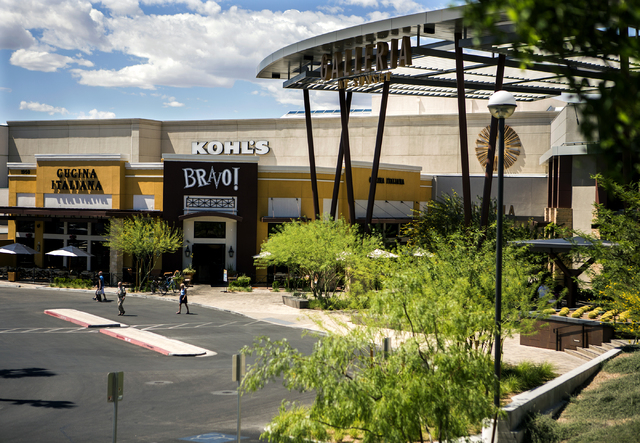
(295, 302)
(560, 333)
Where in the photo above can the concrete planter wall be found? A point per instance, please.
(541, 399)
(560, 333)
(295, 302)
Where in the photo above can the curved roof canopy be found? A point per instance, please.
(433, 68)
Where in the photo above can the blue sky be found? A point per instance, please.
(161, 59)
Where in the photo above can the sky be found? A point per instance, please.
(165, 59)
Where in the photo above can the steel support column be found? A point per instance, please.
(336, 181)
(312, 155)
(488, 172)
(376, 155)
(344, 118)
(462, 123)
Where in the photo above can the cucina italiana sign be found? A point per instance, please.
(73, 179)
(260, 147)
(362, 60)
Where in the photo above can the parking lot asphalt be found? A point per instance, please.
(267, 305)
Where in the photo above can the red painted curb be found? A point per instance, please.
(64, 317)
(114, 334)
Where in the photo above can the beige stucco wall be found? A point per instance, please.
(431, 142)
(584, 192)
(136, 139)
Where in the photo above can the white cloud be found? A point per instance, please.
(3, 89)
(173, 104)
(204, 45)
(209, 47)
(361, 3)
(403, 6)
(95, 114)
(398, 6)
(63, 24)
(41, 107)
(44, 61)
(122, 7)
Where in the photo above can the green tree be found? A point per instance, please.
(322, 251)
(146, 239)
(444, 216)
(563, 32)
(616, 281)
(437, 381)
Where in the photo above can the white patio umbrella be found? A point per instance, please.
(17, 249)
(69, 251)
(379, 253)
(263, 254)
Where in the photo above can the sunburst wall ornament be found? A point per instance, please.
(512, 147)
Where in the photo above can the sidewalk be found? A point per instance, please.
(266, 305)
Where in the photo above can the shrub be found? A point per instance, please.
(549, 311)
(78, 283)
(242, 283)
(593, 314)
(564, 311)
(524, 376)
(543, 429)
(608, 316)
(578, 312)
(275, 286)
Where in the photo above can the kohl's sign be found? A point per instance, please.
(201, 177)
(260, 147)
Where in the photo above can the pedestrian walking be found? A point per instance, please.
(122, 292)
(100, 291)
(183, 299)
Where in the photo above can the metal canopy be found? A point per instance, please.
(433, 72)
(559, 245)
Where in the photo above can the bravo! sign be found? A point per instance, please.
(200, 177)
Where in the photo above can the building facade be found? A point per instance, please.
(227, 183)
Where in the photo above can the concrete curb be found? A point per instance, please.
(145, 339)
(157, 343)
(543, 398)
(83, 319)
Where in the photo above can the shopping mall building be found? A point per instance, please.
(227, 183)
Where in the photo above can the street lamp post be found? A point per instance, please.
(501, 105)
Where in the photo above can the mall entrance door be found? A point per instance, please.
(209, 262)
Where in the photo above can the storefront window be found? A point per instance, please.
(25, 226)
(209, 229)
(99, 227)
(390, 232)
(77, 228)
(54, 227)
(100, 259)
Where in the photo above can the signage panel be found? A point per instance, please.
(260, 147)
(74, 201)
